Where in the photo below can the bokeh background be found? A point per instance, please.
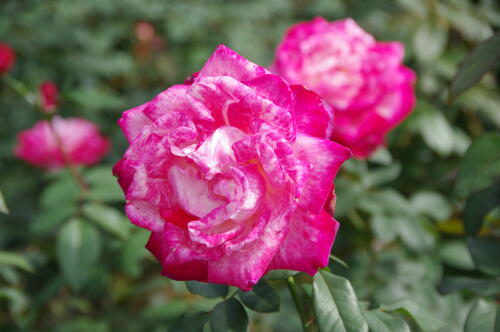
(401, 235)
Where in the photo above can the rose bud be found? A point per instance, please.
(48, 94)
(7, 58)
(78, 141)
(363, 80)
(232, 173)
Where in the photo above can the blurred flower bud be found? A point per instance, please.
(144, 31)
(48, 93)
(7, 58)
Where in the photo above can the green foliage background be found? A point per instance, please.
(402, 233)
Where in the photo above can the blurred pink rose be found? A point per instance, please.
(80, 139)
(231, 172)
(364, 81)
(7, 58)
(48, 94)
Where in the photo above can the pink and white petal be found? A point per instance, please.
(133, 121)
(245, 267)
(145, 215)
(179, 262)
(308, 243)
(313, 116)
(191, 191)
(273, 88)
(174, 98)
(244, 192)
(226, 62)
(124, 172)
(215, 154)
(324, 159)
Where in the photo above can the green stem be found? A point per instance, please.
(356, 219)
(292, 287)
(21, 89)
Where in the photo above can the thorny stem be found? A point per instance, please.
(292, 287)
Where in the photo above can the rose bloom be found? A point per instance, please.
(231, 172)
(7, 58)
(362, 79)
(80, 140)
(48, 94)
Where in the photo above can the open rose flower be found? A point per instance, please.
(362, 79)
(78, 141)
(7, 58)
(231, 172)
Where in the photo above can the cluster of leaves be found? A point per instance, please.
(419, 224)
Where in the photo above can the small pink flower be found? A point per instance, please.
(79, 139)
(231, 172)
(7, 58)
(48, 94)
(363, 80)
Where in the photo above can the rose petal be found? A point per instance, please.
(324, 159)
(313, 116)
(226, 62)
(308, 243)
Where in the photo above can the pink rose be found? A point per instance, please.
(362, 79)
(48, 94)
(231, 172)
(80, 140)
(7, 58)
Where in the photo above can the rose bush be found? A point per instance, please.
(80, 140)
(231, 172)
(362, 79)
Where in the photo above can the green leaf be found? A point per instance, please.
(12, 259)
(477, 207)
(108, 219)
(429, 41)
(3, 206)
(167, 311)
(262, 298)
(484, 287)
(60, 193)
(475, 65)
(103, 185)
(456, 254)
(190, 323)
(49, 218)
(383, 175)
(384, 227)
(424, 318)
(229, 316)
(133, 252)
(279, 274)
(379, 321)
(18, 302)
(484, 316)
(431, 204)
(78, 248)
(484, 253)
(480, 165)
(436, 131)
(207, 290)
(335, 304)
